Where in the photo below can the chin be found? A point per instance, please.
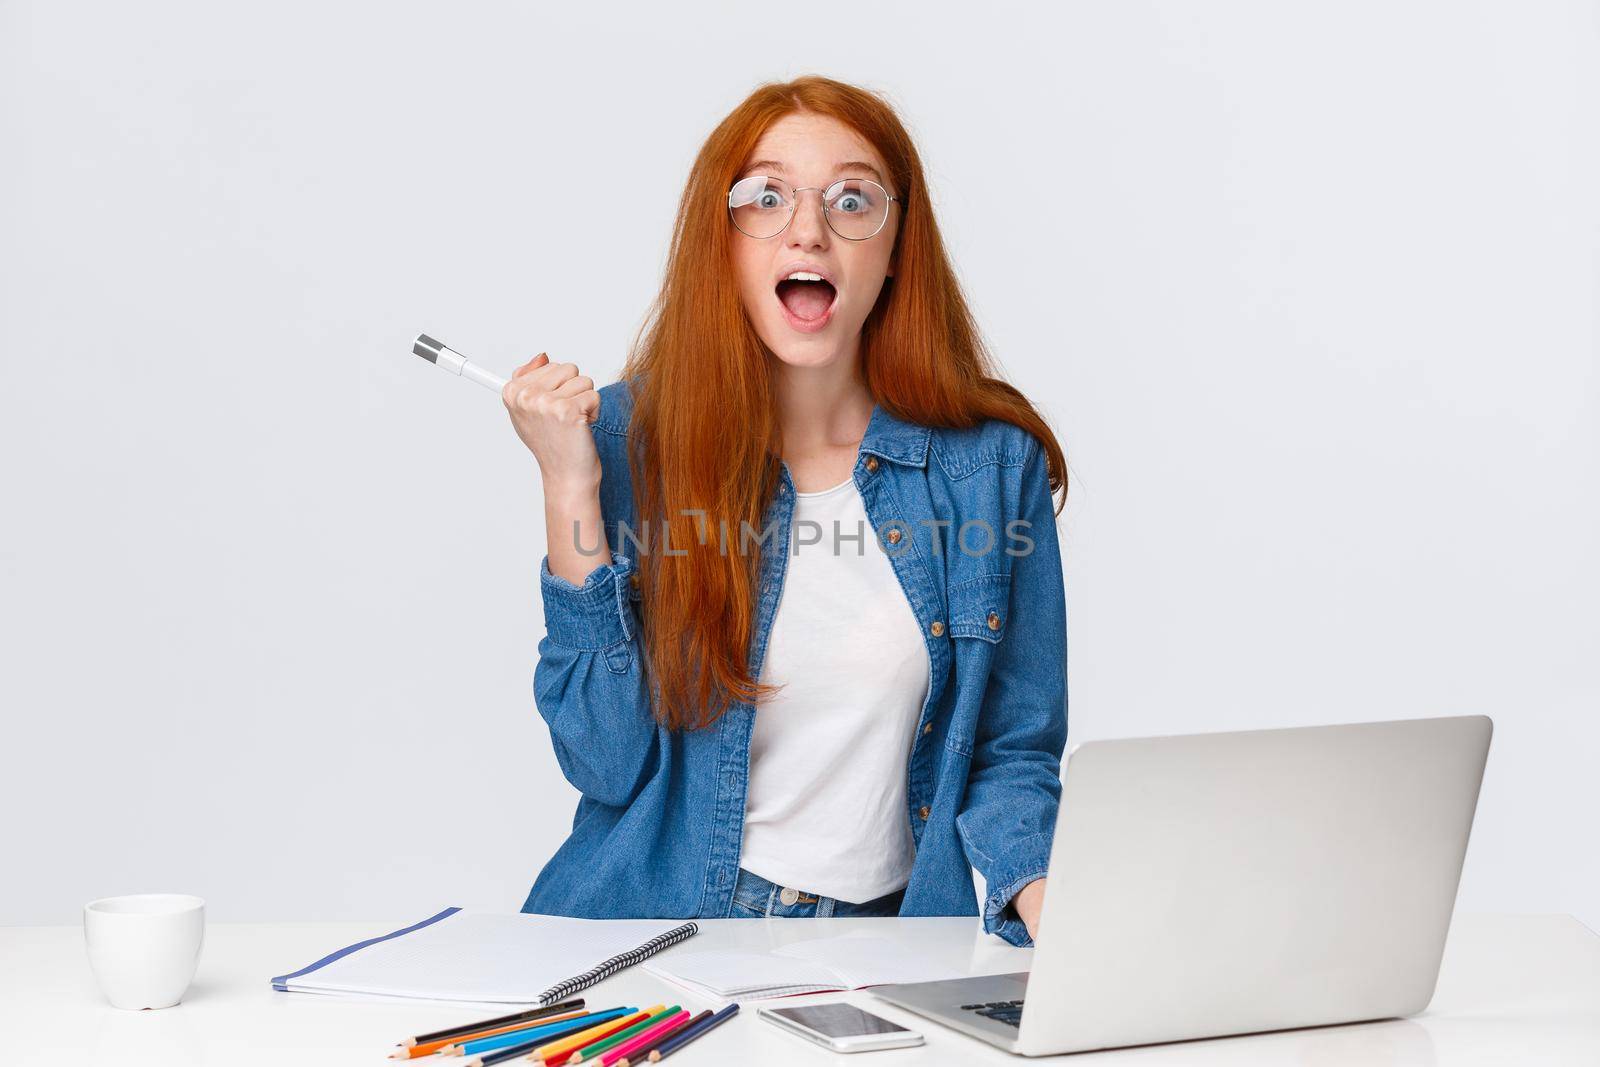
(804, 361)
(812, 351)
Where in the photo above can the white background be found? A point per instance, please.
(1309, 291)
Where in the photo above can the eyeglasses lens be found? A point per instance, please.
(762, 206)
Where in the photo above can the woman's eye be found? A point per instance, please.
(853, 201)
(770, 199)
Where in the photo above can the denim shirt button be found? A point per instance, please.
(872, 463)
(936, 628)
(893, 537)
(922, 813)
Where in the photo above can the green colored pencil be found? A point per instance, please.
(581, 1054)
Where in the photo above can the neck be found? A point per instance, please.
(821, 407)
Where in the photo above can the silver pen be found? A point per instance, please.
(446, 358)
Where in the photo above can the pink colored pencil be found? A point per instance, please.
(647, 1040)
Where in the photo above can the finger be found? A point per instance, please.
(558, 373)
(589, 404)
(573, 386)
(581, 390)
(532, 365)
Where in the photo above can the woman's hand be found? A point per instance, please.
(551, 406)
(1028, 902)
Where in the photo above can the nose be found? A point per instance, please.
(809, 227)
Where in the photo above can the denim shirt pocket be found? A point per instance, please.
(977, 610)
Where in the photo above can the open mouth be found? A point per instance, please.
(807, 305)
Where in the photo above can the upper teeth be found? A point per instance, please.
(804, 276)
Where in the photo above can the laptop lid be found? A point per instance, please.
(1236, 882)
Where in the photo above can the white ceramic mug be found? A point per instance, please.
(144, 949)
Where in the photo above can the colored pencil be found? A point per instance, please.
(490, 1024)
(645, 1041)
(579, 1055)
(524, 1048)
(697, 1021)
(428, 1048)
(597, 1054)
(684, 1036)
(505, 1055)
(558, 1051)
(542, 1034)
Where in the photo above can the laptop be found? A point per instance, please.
(1233, 883)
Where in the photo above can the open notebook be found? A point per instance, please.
(488, 957)
(822, 965)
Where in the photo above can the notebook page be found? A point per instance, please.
(731, 973)
(865, 959)
(708, 993)
(483, 956)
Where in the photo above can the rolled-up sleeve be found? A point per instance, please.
(591, 616)
(589, 684)
(1007, 821)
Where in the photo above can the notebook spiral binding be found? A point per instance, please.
(618, 962)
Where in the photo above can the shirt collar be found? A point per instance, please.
(895, 439)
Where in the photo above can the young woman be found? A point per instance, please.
(806, 626)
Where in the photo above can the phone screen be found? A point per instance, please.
(839, 1020)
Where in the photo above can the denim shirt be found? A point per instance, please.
(659, 824)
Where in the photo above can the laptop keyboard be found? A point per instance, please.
(1001, 1011)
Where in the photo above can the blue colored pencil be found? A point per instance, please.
(689, 1033)
(547, 1032)
(505, 1055)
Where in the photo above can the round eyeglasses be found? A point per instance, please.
(762, 206)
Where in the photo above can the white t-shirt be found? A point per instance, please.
(825, 811)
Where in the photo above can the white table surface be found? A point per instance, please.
(1514, 989)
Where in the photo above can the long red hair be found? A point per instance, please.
(698, 361)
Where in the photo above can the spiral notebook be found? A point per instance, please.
(488, 957)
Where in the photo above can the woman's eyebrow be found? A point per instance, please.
(774, 165)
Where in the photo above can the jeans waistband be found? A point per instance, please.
(755, 894)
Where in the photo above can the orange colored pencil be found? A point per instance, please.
(428, 1048)
(558, 1051)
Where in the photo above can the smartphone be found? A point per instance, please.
(841, 1027)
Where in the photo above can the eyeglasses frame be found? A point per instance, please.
(827, 212)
